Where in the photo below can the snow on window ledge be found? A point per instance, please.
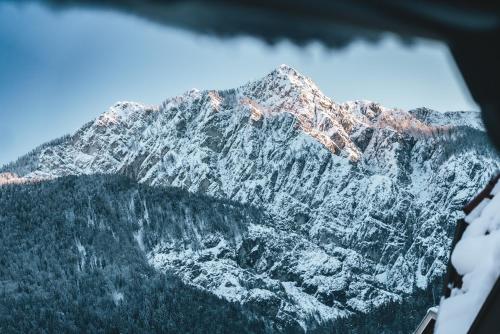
(477, 258)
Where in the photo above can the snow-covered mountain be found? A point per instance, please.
(363, 198)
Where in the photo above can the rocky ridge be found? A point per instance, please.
(363, 198)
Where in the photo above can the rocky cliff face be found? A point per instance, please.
(363, 198)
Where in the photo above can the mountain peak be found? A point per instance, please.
(290, 74)
(283, 80)
(119, 111)
(284, 68)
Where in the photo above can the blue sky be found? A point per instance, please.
(60, 69)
